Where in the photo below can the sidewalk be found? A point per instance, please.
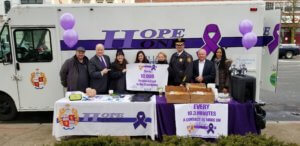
(287, 131)
(41, 134)
(26, 135)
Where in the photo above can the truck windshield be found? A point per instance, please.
(5, 48)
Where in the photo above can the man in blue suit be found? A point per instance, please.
(99, 67)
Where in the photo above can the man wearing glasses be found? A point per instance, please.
(181, 65)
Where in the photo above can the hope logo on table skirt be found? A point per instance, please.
(139, 120)
(68, 117)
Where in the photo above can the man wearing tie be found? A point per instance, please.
(181, 65)
(98, 69)
(203, 69)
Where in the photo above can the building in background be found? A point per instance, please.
(290, 19)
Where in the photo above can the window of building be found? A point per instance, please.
(31, 1)
(76, 1)
(99, 1)
(288, 9)
(269, 5)
(33, 45)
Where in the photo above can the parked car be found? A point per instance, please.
(288, 51)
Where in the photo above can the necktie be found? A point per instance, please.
(103, 61)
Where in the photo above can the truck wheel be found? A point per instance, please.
(289, 55)
(8, 110)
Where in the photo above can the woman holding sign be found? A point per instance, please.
(118, 73)
(141, 57)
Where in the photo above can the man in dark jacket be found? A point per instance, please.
(99, 66)
(74, 73)
(203, 70)
(181, 65)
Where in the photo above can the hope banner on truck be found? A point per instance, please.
(146, 77)
(201, 120)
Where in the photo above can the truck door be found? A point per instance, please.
(270, 51)
(9, 100)
(37, 68)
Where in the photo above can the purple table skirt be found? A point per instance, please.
(241, 118)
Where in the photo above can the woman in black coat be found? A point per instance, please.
(222, 65)
(118, 73)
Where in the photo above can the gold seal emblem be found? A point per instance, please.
(38, 79)
(141, 67)
(68, 117)
(190, 128)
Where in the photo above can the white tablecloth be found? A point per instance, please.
(104, 116)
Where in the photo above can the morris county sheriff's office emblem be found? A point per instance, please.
(190, 128)
(38, 79)
(141, 67)
(68, 117)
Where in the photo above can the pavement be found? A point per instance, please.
(32, 134)
(284, 104)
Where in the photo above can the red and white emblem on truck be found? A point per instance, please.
(38, 79)
(68, 117)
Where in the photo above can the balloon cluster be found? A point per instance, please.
(249, 38)
(70, 36)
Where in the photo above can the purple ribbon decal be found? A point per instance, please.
(275, 41)
(210, 128)
(211, 44)
(153, 67)
(140, 120)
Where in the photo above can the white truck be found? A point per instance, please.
(32, 47)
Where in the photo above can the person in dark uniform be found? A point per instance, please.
(181, 65)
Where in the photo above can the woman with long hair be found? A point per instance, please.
(141, 57)
(222, 65)
(118, 73)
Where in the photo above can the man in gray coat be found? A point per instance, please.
(99, 66)
(74, 73)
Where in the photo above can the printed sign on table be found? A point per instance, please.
(146, 77)
(201, 120)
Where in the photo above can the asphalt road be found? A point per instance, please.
(284, 105)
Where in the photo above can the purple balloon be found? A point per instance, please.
(249, 40)
(246, 26)
(70, 37)
(67, 21)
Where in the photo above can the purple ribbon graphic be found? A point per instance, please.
(275, 41)
(153, 67)
(210, 128)
(211, 44)
(140, 120)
